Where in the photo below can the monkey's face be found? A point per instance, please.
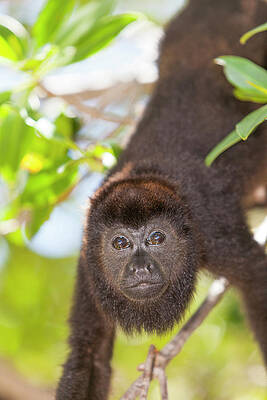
(141, 254)
(141, 262)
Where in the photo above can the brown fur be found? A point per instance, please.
(162, 175)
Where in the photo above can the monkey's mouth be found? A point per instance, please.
(143, 284)
(143, 290)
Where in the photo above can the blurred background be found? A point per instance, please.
(75, 77)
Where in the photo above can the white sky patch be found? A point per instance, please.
(108, 159)
(131, 56)
(46, 127)
(260, 233)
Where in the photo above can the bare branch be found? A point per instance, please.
(148, 368)
(11, 225)
(106, 96)
(160, 374)
(94, 112)
(110, 92)
(216, 292)
(134, 390)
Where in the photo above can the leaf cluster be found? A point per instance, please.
(39, 156)
(250, 84)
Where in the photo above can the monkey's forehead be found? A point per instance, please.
(155, 223)
(135, 215)
(133, 204)
(132, 218)
(139, 190)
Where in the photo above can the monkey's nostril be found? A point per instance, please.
(141, 270)
(149, 268)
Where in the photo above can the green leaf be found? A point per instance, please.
(261, 89)
(252, 32)
(14, 39)
(247, 96)
(4, 97)
(61, 143)
(38, 217)
(50, 19)
(46, 59)
(243, 129)
(227, 142)
(47, 187)
(15, 140)
(48, 141)
(82, 22)
(6, 50)
(242, 73)
(102, 34)
(67, 126)
(40, 59)
(117, 149)
(248, 124)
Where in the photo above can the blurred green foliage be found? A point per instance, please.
(35, 299)
(39, 159)
(220, 361)
(39, 166)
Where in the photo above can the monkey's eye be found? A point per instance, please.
(155, 238)
(121, 243)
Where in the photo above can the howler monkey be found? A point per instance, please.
(161, 215)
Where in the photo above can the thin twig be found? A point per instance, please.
(134, 390)
(112, 93)
(92, 111)
(148, 368)
(11, 225)
(215, 293)
(160, 374)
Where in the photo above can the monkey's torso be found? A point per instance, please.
(193, 107)
(192, 110)
(161, 214)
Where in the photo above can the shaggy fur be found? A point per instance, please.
(161, 174)
(132, 203)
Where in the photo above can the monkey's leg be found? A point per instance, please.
(86, 373)
(245, 266)
(254, 293)
(101, 372)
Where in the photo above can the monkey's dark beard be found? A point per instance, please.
(154, 316)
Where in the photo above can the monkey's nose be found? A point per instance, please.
(141, 270)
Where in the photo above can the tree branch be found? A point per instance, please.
(148, 369)
(106, 97)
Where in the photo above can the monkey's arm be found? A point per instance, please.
(237, 256)
(86, 373)
(254, 293)
(248, 272)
